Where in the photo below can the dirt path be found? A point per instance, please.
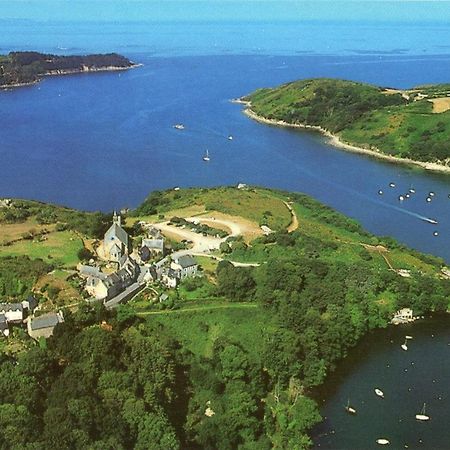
(199, 308)
(294, 220)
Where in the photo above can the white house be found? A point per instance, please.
(403, 315)
(185, 265)
(13, 312)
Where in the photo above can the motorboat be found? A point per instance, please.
(350, 409)
(179, 126)
(379, 392)
(432, 221)
(383, 441)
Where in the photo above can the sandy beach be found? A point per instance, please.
(337, 142)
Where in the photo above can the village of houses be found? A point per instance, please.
(119, 272)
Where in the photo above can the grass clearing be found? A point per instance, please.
(198, 330)
(59, 248)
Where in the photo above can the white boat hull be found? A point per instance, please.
(422, 417)
(379, 392)
(383, 442)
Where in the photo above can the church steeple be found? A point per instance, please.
(116, 218)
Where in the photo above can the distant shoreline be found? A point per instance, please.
(337, 142)
(69, 72)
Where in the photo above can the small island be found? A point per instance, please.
(411, 126)
(25, 68)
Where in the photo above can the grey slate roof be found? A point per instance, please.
(153, 244)
(89, 271)
(46, 321)
(116, 231)
(186, 261)
(11, 307)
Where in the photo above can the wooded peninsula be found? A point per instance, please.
(24, 68)
(410, 125)
(230, 358)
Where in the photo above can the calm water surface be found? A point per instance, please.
(103, 141)
(408, 379)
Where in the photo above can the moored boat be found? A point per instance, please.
(350, 409)
(383, 441)
(379, 392)
(404, 346)
(423, 416)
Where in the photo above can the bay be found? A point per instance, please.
(104, 141)
(407, 378)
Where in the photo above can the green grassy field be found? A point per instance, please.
(59, 248)
(260, 206)
(399, 123)
(199, 329)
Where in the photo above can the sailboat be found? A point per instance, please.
(404, 346)
(422, 416)
(349, 409)
(206, 157)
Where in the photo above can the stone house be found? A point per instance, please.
(103, 286)
(44, 325)
(185, 265)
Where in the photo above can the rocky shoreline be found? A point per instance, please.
(337, 142)
(70, 72)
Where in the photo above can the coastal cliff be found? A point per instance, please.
(25, 68)
(408, 126)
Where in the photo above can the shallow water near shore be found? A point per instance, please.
(407, 378)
